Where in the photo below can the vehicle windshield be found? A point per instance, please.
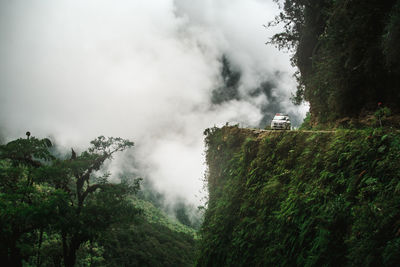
(281, 118)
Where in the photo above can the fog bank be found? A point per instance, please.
(143, 70)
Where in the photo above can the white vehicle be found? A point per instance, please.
(280, 122)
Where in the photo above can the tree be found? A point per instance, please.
(70, 199)
(93, 202)
(27, 202)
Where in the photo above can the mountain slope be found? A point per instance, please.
(154, 239)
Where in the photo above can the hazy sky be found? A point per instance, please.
(139, 69)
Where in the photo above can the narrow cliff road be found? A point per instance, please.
(294, 131)
(301, 131)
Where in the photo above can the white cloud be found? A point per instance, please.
(142, 70)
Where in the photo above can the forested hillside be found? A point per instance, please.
(346, 53)
(295, 198)
(151, 239)
(62, 210)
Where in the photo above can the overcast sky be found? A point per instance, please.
(139, 69)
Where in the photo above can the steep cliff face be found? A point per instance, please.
(301, 198)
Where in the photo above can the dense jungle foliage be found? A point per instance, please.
(63, 211)
(295, 198)
(346, 53)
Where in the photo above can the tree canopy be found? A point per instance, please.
(60, 204)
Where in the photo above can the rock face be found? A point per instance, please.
(294, 198)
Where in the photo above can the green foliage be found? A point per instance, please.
(301, 198)
(182, 215)
(186, 214)
(56, 212)
(57, 204)
(306, 125)
(152, 239)
(346, 53)
(154, 215)
(27, 201)
(381, 114)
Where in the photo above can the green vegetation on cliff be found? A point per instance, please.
(346, 53)
(302, 198)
